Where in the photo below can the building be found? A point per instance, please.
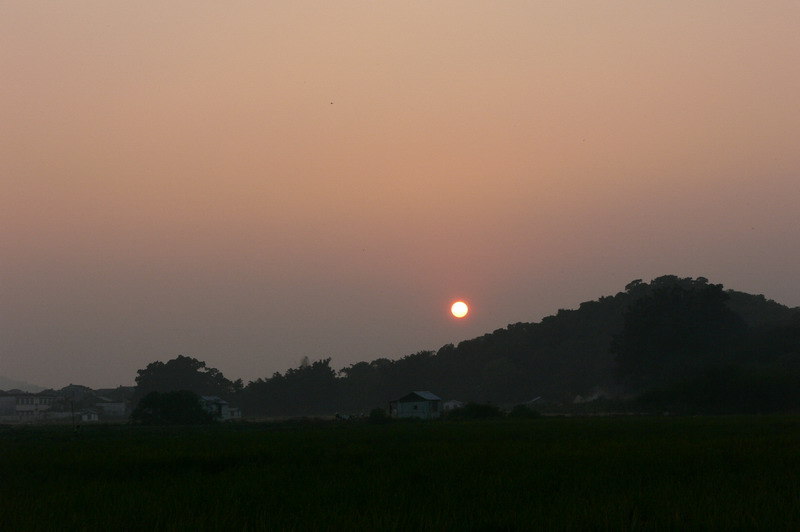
(8, 405)
(110, 409)
(87, 416)
(19, 406)
(219, 408)
(422, 405)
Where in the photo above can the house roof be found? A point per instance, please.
(213, 399)
(419, 396)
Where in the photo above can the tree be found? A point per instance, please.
(184, 373)
(311, 388)
(675, 331)
(180, 407)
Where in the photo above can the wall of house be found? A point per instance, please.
(32, 407)
(88, 417)
(8, 405)
(420, 409)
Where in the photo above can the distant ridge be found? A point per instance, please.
(11, 384)
(672, 331)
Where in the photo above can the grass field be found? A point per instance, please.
(619, 473)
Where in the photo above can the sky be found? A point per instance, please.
(250, 183)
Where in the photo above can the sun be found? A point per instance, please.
(459, 309)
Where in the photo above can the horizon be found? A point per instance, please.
(249, 185)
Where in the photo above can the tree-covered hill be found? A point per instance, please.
(560, 357)
(649, 336)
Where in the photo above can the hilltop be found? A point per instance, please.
(599, 349)
(13, 384)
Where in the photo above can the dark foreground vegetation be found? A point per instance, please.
(566, 473)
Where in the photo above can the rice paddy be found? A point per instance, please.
(570, 473)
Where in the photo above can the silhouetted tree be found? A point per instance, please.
(184, 373)
(309, 389)
(675, 331)
(313, 387)
(180, 407)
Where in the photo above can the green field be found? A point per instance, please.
(612, 473)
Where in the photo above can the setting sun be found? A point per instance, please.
(459, 309)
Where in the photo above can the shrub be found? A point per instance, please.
(171, 408)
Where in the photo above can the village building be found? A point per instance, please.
(87, 416)
(8, 405)
(220, 409)
(19, 406)
(422, 405)
(110, 409)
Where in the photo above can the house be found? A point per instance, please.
(8, 406)
(423, 405)
(76, 403)
(87, 416)
(219, 408)
(109, 408)
(16, 405)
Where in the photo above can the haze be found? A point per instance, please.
(249, 183)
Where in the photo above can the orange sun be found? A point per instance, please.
(459, 309)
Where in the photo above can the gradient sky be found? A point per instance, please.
(249, 183)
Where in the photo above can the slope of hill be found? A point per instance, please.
(560, 357)
(650, 336)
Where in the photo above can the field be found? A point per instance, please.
(614, 473)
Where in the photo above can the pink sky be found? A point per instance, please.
(249, 184)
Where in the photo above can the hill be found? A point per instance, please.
(560, 357)
(12, 384)
(599, 349)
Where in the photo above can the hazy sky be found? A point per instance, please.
(249, 183)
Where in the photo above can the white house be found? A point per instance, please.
(26, 407)
(423, 405)
(220, 409)
(87, 416)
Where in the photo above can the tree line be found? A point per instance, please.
(670, 343)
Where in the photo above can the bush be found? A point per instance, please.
(171, 408)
